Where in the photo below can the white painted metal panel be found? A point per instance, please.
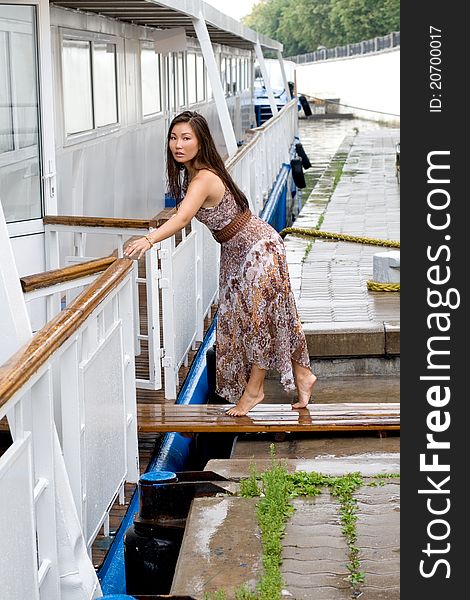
(179, 305)
(210, 269)
(18, 565)
(104, 429)
(184, 296)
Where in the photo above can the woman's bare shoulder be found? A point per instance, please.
(208, 175)
(212, 184)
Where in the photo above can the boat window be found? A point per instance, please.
(150, 80)
(223, 73)
(192, 97)
(20, 166)
(172, 78)
(228, 74)
(181, 86)
(104, 84)
(200, 78)
(210, 93)
(77, 86)
(234, 79)
(89, 75)
(245, 73)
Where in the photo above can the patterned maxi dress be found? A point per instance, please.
(257, 319)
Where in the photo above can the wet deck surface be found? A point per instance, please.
(271, 417)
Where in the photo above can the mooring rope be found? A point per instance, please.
(373, 286)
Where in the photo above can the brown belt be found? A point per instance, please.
(237, 224)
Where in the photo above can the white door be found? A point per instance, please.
(26, 155)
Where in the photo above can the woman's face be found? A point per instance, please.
(184, 144)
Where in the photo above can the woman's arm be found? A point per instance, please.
(197, 193)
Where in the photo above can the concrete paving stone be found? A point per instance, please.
(353, 328)
(221, 547)
(316, 580)
(372, 506)
(378, 541)
(370, 593)
(332, 567)
(392, 337)
(379, 494)
(368, 464)
(377, 554)
(320, 529)
(314, 554)
(379, 567)
(322, 593)
(308, 540)
(326, 517)
(320, 284)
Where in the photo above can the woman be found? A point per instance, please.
(258, 327)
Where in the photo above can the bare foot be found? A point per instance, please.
(304, 390)
(245, 404)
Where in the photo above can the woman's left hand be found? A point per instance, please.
(137, 248)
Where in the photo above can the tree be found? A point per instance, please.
(303, 25)
(356, 20)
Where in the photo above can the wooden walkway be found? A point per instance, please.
(270, 417)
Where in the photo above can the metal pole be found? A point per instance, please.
(267, 83)
(214, 78)
(284, 78)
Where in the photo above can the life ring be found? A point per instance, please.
(306, 164)
(298, 173)
(305, 105)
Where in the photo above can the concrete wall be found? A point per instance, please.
(370, 81)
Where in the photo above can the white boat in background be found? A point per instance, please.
(282, 95)
(87, 91)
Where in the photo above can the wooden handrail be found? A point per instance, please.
(78, 221)
(55, 276)
(30, 358)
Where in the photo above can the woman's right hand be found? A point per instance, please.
(137, 248)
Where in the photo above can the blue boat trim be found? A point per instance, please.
(171, 457)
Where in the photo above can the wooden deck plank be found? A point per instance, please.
(269, 417)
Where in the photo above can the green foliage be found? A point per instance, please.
(303, 25)
(249, 487)
(276, 487)
(218, 595)
(272, 511)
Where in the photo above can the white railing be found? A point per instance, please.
(256, 166)
(73, 385)
(377, 44)
(182, 277)
(189, 282)
(58, 292)
(79, 253)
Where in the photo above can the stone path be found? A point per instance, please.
(340, 316)
(222, 548)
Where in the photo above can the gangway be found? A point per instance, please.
(190, 418)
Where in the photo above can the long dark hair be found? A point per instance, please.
(207, 158)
